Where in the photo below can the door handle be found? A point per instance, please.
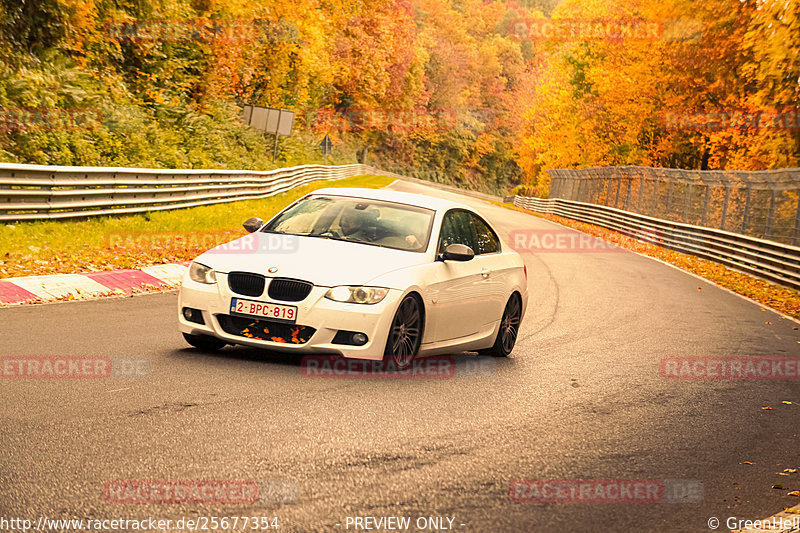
(485, 273)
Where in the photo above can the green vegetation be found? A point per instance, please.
(433, 88)
(485, 95)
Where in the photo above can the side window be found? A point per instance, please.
(486, 240)
(457, 228)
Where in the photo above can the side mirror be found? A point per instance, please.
(457, 252)
(252, 224)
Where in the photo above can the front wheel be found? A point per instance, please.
(205, 342)
(509, 327)
(405, 334)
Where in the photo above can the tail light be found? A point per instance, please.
(525, 269)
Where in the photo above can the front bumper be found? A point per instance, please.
(326, 318)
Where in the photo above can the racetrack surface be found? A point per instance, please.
(581, 398)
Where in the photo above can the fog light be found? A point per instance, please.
(193, 315)
(350, 338)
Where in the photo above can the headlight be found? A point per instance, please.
(202, 274)
(357, 295)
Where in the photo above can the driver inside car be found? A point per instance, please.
(359, 224)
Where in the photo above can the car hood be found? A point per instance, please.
(324, 262)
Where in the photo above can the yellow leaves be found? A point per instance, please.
(608, 102)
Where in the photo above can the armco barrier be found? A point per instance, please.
(766, 259)
(36, 192)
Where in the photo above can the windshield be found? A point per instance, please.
(375, 222)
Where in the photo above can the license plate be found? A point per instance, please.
(278, 312)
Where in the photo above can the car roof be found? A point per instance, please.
(420, 200)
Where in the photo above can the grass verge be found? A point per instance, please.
(133, 241)
(777, 297)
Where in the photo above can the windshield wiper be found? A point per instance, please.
(319, 235)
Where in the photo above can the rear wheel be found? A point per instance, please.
(509, 327)
(405, 334)
(204, 342)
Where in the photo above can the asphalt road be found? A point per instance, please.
(581, 398)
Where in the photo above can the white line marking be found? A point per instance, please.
(60, 285)
(171, 273)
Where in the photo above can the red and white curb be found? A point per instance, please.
(32, 289)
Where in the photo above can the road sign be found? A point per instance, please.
(326, 145)
(269, 120)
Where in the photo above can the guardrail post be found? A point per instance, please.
(606, 186)
(770, 214)
(50, 196)
(642, 182)
(746, 211)
(671, 188)
(656, 182)
(725, 207)
(686, 200)
(628, 195)
(616, 196)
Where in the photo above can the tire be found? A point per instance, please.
(205, 342)
(509, 328)
(405, 334)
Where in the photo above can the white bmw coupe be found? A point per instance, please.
(363, 273)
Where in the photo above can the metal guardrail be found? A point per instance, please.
(769, 260)
(763, 204)
(37, 192)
